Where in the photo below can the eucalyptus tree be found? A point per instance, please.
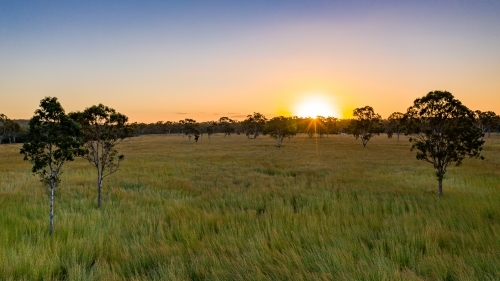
(226, 125)
(366, 124)
(211, 128)
(280, 128)
(254, 125)
(395, 124)
(321, 126)
(331, 125)
(3, 126)
(190, 128)
(53, 140)
(487, 120)
(102, 130)
(12, 130)
(443, 131)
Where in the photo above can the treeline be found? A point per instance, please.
(320, 126)
(12, 131)
(249, 127)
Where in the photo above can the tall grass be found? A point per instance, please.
(229, 208)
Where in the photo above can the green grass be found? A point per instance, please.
(229, 208)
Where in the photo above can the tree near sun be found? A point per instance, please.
(254, 125)
(102, 129)
(280, 128)
(443, 132)
(366, 124)
(53, 140)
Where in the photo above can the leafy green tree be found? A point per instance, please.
(395, 124)
(443, 132)
(366, 124)
(487, 121)
(102, 130)
(254, 125)
(53, 140)
(280, 128)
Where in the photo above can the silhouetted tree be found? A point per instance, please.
(3, 126)
(190, 128)
(395, 124)
(366, 124)
(443, 132)
(254, 124)
(487, 121)
(53, 140)
(225, 125)
(280, 128)
(102, 130)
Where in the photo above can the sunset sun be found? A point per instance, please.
(312, 106)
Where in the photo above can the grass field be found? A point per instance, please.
(229, 208)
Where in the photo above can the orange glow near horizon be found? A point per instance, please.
(314, 105)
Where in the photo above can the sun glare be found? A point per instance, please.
(312, 106)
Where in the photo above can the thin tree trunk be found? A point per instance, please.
(51, 213)
(440, 186)
(99, 188)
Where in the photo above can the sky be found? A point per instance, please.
(170, 60)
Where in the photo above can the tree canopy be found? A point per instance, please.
(280, 128)
(443, 131)
(53, 140)
(102, 129)
(366, 124)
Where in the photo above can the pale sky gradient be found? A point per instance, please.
(158, 60)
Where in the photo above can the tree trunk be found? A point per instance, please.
(99, 188)
(398, 136)
(51, 213)
(440, 186)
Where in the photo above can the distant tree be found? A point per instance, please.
(102, 130)
(12, 129)
(190, 128)
(169, 125)
(254, 125)
(53, 140)
(487, 121)
(280, 128)
(366, 124)
(225, 125)
(395, 124)
(3, 126)
(443, 132)
(321, 126)
(211, 128)
(331, 125)
(307, 125)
